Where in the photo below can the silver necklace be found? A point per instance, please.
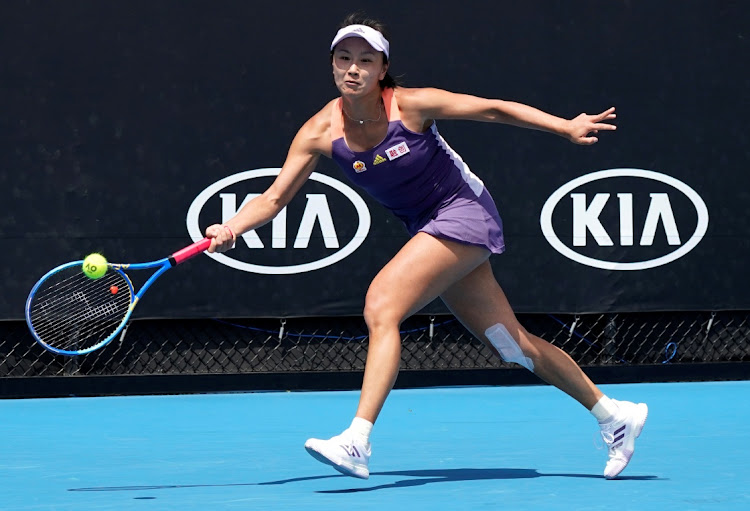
(362, 121)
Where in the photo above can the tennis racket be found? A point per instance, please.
(69, 313)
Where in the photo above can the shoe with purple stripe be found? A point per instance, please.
(620, 433)
(343, 452)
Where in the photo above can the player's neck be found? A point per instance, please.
(366, 109)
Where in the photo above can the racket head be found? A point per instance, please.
(69, 313)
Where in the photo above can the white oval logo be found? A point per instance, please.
(659, 218)
(363, 226)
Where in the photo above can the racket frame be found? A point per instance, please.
(162, 266)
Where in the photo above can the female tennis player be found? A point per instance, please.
(385, 139)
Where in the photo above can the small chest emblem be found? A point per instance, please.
(397, 151)
(378, 160)
(359, 166)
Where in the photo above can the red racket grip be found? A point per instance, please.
(190, 251)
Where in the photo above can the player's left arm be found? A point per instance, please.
(428, 103)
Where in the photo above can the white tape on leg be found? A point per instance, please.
(509, 349)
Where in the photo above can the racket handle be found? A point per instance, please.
(190, 251)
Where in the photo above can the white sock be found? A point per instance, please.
(604, 409)
(361, 427)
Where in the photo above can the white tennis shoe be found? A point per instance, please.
(620, 433)
(344, 452)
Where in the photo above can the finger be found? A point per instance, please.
(587, 140)
(211, 231)
(609, 113)
(604, 126)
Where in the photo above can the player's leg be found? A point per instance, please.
(480, 304)
(418, 274)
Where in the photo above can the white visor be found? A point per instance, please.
(372, 36)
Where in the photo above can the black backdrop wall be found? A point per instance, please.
(128, 127)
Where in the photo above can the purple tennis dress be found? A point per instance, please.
(422, 181)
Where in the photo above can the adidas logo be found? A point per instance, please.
(351, 451)
(378, 160)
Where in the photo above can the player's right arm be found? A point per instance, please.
(312, 140)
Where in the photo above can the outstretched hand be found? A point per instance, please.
(584, 129)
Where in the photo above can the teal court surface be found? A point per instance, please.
(450, 448)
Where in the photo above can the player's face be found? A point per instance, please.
(357, 66)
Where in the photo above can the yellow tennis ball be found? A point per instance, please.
(94, 266)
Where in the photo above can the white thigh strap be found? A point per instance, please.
(509, 349)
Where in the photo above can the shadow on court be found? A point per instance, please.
(422, 477)
(416, 478)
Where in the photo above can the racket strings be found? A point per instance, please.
(73, 312)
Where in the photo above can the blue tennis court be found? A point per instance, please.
(438, 448)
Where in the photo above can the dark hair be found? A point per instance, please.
(359, 18)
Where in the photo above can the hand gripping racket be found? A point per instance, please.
(69, 313)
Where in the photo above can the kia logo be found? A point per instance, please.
(304, 236)
(624, 219)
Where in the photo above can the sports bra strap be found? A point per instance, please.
(391, 106)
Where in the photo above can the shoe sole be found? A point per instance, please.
(637, 429)
(341, 468)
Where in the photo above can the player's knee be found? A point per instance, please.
(378, 311)
(509, 348)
